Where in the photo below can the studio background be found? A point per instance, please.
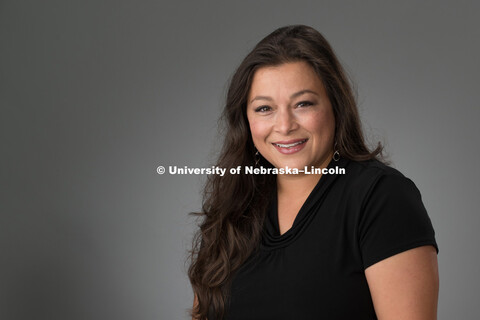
(94, 95)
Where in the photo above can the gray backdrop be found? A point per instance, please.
(95, 95)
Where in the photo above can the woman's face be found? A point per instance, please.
(290, 116)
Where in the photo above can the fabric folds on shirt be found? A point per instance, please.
(272, 238)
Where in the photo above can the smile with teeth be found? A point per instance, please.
(290, 145)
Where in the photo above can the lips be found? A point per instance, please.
(290, 146)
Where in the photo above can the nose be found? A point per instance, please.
(285, 121)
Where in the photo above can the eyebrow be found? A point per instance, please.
(296, 94)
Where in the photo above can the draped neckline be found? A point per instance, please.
(271, 238)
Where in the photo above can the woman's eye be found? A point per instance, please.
(304, 104)
(262, 109)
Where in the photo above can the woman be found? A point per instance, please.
(357, 245)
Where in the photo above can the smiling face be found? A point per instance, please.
(290, 116)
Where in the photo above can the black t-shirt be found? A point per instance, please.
(315, 270)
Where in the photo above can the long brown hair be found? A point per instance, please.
(234, 205)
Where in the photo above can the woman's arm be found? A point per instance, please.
(405, 286)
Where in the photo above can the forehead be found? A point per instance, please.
(284, 79)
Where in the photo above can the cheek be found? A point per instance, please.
(257, 129)
(322, 123)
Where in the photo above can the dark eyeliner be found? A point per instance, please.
(259, 109)
(305, 103)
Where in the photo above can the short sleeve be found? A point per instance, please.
(393, 220)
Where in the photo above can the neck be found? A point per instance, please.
(296, 185)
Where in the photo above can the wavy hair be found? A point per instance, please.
(234, 206)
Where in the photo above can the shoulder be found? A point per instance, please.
(366, 170)
(374, 177)
(390, 214)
